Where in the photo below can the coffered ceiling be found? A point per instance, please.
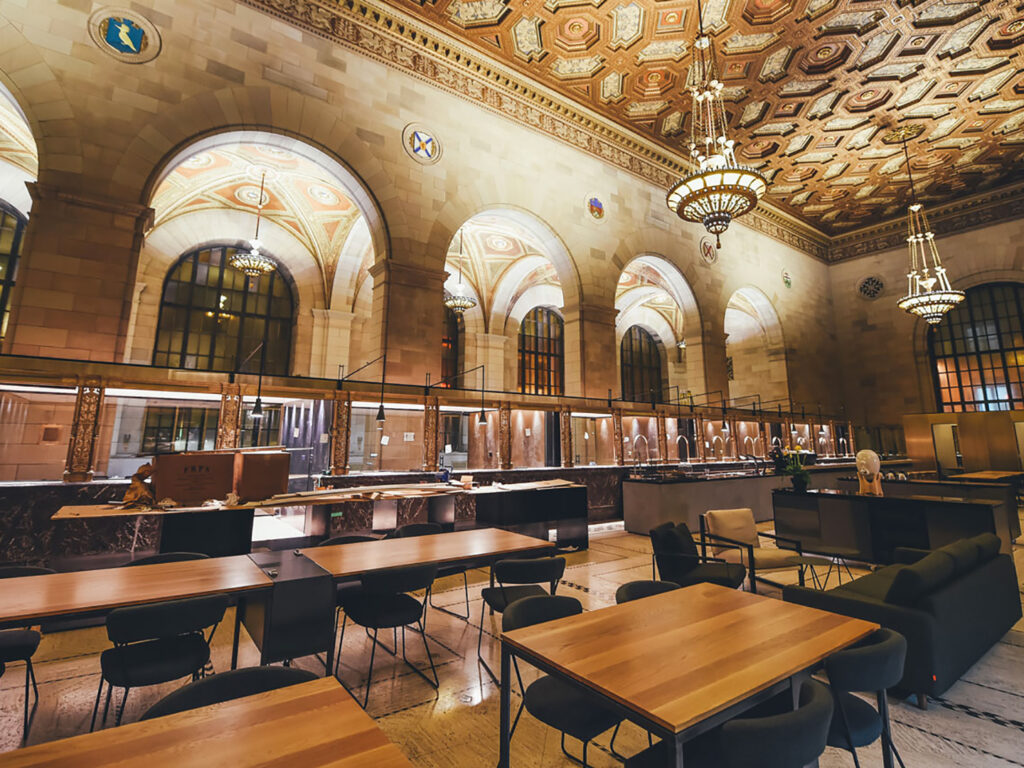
(812, 86)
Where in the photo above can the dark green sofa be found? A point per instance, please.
(952, 605)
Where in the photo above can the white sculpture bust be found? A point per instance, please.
(869, 473)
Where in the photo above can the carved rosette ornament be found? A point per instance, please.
(565, 436)
(341, 433)
(620, 458)
(229, 424)
(662, 438)
(505, 435)
(84, 431)
(431, 434)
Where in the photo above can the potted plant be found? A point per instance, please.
(798, 474)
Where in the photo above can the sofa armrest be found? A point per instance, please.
(908, 555)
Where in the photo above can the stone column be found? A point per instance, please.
(565, 436)
(229, 425)
(589, 345)
(620, 457)
(431, 425)
(505, 435)
(662, 438)
(341, 433)
(84, 430)
(329, 341)
(76, 276)
(486, 349)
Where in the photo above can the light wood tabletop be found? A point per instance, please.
(988, 474)
(347, 560)
(314, 725)
(36, 597)
(680, 657)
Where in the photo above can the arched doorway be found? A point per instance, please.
(755, 350)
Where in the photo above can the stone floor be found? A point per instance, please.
(978, 722)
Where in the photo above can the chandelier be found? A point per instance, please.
(929, 294)
(458, 299)
(721, 189)
(252, 262)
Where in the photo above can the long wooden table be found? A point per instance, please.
(348, 560)
(682, 662)
(314, 725)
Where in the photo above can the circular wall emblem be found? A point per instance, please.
(421, 144)
(708, 251)
(787, 279)
(595, 207)
(125, 35)
(871, 287)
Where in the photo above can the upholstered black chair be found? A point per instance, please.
(553, 701)
(774, 735)
(350, 587)
(432, 529)
(166, 557)
(515, 580)
(17, 571)
(635, 590)
(384, 603)
(226, 686)
(21, 645)
(679, 560)
(155, 644)
(872, 666)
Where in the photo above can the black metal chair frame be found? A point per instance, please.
(420, 629)
(28, 717)
(453, 569)
(727, 543)
(201, 672)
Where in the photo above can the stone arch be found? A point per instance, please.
(757, 347)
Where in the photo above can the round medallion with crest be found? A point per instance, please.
(126, 35)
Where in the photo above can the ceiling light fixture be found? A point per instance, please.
(252, 262)
(929, 294)
(721, 189)
(458, 299)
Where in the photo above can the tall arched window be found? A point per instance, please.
(12, 229)
(214, 318)
(641, 366)
(977, 351)
(541, 353)
(450, 349)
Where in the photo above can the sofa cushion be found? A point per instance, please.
(965, 555)
(915, 581)
(988, 545)
(875, 585)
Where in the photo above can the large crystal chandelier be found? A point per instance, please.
(929, 294)
(721, 189)
(458, 299)
(252, 262)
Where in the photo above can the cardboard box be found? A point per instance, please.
(258, 475)
(192, 478)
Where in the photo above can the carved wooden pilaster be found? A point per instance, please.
(565, 436)
(853, 441)
(620, 457)
(84, 431)
(662, 438)
(341, 433)
(698, 436)
(229, 424)
(505, 435)
(431, 436)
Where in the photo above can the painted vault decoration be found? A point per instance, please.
(125, 35)
(811, 84)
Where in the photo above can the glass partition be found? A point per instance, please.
(640, 439)
(394, 445)
(35, 431)
(592, 439)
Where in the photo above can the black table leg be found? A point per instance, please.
(675, 752)
(239, 617)
(506, 707)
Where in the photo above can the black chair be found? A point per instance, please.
(553, 701)
(347, 539)
(635, 590)
(17, 571)
(21, 645)
(432, 529)
(517, 579)
(872, 666)
(155, 644)
(772, 735)
(227, 686)
(166, 557)
(383, 603)
(680, 561)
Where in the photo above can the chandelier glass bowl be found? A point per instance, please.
(253, 263)
(458, 299)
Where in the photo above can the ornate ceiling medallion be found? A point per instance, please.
(125, 35)
(721, 189)
(420, 144)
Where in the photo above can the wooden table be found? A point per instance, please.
(989, 475)
(349, 560)
(683, 662)
(28, 599)
(313, 725)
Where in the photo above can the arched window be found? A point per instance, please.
(450, 349)
(977, 351)
(641, 366)
(541, 353)
(214, 318)
(12, 229)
